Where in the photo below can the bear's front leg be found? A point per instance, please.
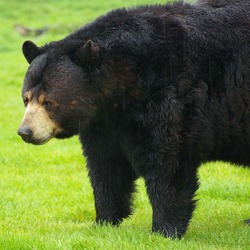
(112, 180)
(171, 195)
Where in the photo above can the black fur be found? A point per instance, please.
(158, 90)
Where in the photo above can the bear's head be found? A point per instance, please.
(68, 84)
(57, 91)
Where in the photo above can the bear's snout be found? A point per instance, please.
(25, 132)
(37, 127)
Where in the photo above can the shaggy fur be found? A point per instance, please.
(152, 91)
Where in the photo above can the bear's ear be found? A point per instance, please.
(30, 51)
(88, 54)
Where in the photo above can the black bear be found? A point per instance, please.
(151, 91)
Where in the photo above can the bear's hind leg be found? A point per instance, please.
(172, 201)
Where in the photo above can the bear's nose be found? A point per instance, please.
(26, 133)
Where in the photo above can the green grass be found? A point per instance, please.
(46, 201)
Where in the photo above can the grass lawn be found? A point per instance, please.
(46, 201)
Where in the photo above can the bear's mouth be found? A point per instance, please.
(38, 141)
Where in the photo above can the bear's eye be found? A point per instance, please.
(25, 101)
(47, 105)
